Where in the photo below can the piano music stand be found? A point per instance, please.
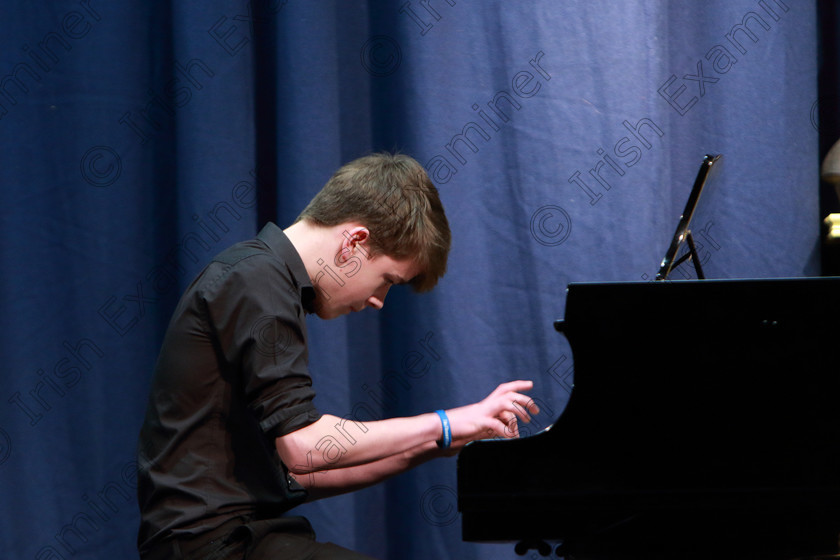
(683, 233)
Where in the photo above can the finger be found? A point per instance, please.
(511, 425)
(521, 405)
(515, 386)
(525, 404)
(496, 428)
(512, 387)
(521, 412)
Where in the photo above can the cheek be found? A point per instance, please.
(359, 287)
(369, 282)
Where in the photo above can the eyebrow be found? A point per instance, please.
(394, 279)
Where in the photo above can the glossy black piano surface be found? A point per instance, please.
(704, 423)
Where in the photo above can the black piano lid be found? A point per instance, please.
(708, 406)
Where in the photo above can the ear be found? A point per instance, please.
(354, 240)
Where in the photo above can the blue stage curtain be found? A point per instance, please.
(141, 138)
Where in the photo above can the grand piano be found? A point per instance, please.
(713, 435)
(704, 423)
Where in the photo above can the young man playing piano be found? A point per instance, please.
(231, 436)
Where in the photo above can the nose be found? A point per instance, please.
(377, 300)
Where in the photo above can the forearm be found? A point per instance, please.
(335, 443)
(326, 483)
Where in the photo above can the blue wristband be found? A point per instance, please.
(445, 442)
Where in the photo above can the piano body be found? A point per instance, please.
(704, 423)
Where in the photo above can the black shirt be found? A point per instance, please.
(232, 375)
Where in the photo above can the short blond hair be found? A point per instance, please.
(392, 196)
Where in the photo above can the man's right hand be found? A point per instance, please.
(496, 415)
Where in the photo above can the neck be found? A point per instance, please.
(312, 242)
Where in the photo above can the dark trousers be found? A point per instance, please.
(285, 538)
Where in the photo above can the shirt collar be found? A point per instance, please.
(281, 246)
